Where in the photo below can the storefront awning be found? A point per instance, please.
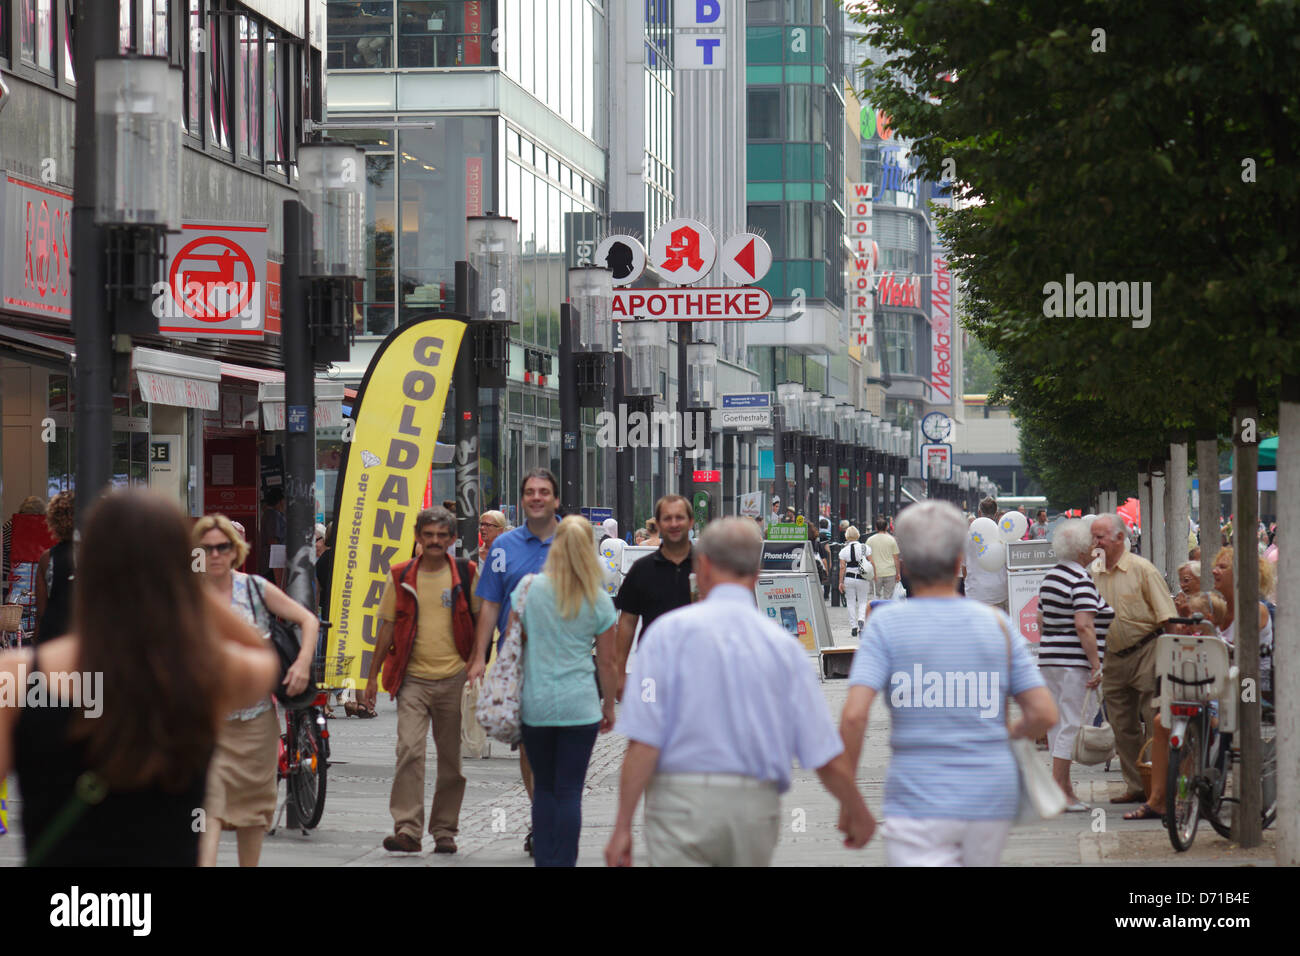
(329, 404)
(170, 378)
(45, 351)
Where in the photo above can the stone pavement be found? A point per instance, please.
(495, 814)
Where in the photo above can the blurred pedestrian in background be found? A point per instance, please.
(883, 551)
(56, 571)
(241, 782)
(855, 583)
(566, 609)
(121, 789)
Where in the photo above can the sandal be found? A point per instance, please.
(1144, 812)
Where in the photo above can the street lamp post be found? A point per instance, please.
(126, 198)
(862, 452)
(701, 386)
(790, 397)
(585, 365)
(812, 409)
(486, 291)
(643, 351)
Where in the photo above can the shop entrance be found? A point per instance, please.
(230, 469)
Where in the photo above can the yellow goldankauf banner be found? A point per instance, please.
(397, 412)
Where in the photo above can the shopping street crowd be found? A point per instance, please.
(714, 697)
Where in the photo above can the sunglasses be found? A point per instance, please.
(224, 547)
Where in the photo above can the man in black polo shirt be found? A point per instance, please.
(659, 582)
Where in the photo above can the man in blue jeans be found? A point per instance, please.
(514, 554)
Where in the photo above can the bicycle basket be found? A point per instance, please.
(1191, 668)
(11, 617)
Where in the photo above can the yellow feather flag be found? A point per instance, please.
(4, 807)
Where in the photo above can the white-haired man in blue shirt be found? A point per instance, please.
(719, 701)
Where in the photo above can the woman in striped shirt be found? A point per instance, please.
(1072, 621)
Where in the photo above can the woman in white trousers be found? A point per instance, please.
(855, 587)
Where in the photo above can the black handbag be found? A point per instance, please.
(287, 643)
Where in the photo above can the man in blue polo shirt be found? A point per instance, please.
(513, 555)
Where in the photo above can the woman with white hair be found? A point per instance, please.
(856, 576)
(946, 665)
(1072, 619)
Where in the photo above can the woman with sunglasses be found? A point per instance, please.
(241, 778)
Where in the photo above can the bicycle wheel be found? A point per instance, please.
(307, 772)
(1183, 801)
(1219, 808)
(1268, 780)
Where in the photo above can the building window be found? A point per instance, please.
(219, 92)
(70, 21)
(360, 35)
(36, 39)
(154, 40)
(275, 100)
(764, 113)
(898, 348)
(765, 220)
(445, 33)
(248, 76)
(194, 70)
(377, 300)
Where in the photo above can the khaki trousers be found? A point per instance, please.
(419, 704)
(1128, 686)
(711, 820)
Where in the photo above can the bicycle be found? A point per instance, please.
(304, 756)
(1199, 706)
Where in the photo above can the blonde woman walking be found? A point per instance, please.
(241, 779)
(564, 609)
(857, 576)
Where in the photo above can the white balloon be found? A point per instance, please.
(993, 557)
(1013, 526)
(983, 532)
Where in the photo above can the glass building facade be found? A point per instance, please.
(427, 171)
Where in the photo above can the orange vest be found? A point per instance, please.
(408, 616)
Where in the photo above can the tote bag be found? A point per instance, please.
(500, 699)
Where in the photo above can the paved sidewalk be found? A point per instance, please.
(495, 815)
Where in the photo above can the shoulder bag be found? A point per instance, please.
(866, 570)
(1093, 745)
(500, 698)
(1040, 797)
(287, 644)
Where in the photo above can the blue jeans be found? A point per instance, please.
(559, 757)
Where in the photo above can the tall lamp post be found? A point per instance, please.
(126, 198)
(586, 367)
(812, 410)
(842, 458)
(862, 465)
(486, 296)
(789, 396)
(701, 387)
(643, 351)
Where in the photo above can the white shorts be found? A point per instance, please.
(1069, 687)
(913, 841)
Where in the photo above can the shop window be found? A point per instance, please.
(36, 33)
(360, 35)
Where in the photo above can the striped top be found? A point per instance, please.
(1068, 588)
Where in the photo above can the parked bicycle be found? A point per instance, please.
(1199, 692)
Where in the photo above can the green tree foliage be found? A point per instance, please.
(1113, 142)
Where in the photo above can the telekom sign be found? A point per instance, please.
(941, 330)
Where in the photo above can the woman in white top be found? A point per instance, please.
(855, 585)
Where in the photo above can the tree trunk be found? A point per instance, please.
(1207, 473)
(1178, 511)
(1247, 827)
(1286, 628)
(1144, 510)
(1156, 553)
